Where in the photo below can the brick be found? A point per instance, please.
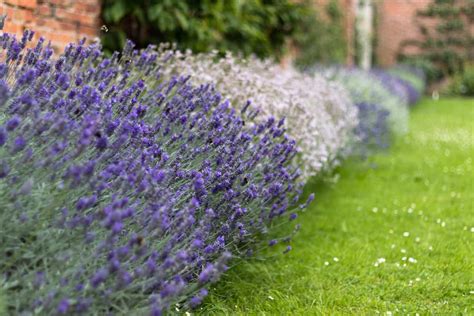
(41, 22)
(88, 31)
(65, 26)
(44, 11)
(93, 9)
(62, 3)
(88, 8)
(19, 14)
(28, 16)
(67, 15)
(12, 14)
(22, 3)
(62, 37)
(88, 20)
(30, 26)
(396, 23)
(15, 28)
(51, 24)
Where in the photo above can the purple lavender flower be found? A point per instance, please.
(63, 307)
(206, 273)
(19, 144)
(99, 277)
(197, 299)
(13, 123)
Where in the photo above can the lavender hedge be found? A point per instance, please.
(365, 87)
(128, 183)
(319, 114)
(124, 191)
(412, 77)
(382, 98)
(372, 131)
(382, 106)
(397, 86)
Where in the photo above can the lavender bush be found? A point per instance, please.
(318, 114)
(372, 131)
(382, 111)
(364, 87)
(122, 191)
(397, 86)
(413, 77)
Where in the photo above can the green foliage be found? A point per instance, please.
(468, 81)
(429, 68)
(450, 26)
(247, 26)
(320, 39)
(3, 309)
(440, 10)
(446, 46)
(463, 84)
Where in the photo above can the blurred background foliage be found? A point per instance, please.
(446, 49)
(462, 83)
(320, 36)
(298, 28)
(258, 27)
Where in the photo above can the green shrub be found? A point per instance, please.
(468, 82)
(430, 70)
(246, 26)
(463, 83)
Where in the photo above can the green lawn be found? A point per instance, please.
(393, 236)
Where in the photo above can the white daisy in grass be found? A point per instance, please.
(379, 262)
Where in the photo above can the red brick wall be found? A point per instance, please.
(61, 21)
(396, 23)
